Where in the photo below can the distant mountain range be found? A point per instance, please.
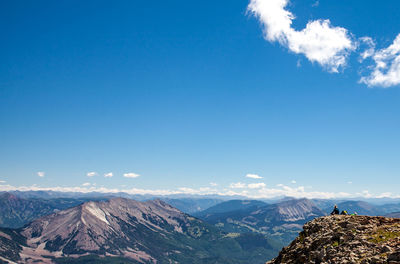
(365, 208)
(19, 208)
(282, 221)
(127, 231)
(49, 224)
(394, 215)
(191, 205)
(16, 211)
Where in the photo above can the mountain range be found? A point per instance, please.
(282, 221)
(108, 229)
(129, 231)
(16, 211)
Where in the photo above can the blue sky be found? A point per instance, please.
(192, 96)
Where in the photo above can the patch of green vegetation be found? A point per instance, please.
(383, 235)
(301, 237)
(335, 244)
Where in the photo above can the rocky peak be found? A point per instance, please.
(296, 210)
(345, 239)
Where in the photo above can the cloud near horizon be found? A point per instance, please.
(91, 174)
(41, 174)
(237, 185)
(108, 175)
(131, 175)
(257, 193)
(256, 185)
(253, 176)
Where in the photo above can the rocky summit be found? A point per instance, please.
(345, 239)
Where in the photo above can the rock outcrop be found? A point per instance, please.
(345, 239)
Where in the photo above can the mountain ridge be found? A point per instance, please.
(139, 232)
(282, 221)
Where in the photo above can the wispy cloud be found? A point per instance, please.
(108, 175)
(86, 184)
(365, 194)
(237, 185)
(213, 184)
(369, 48)
(91, 174)
(293, 182)
(131, 175)
(41, 174)
(256, 185)
(386, 71)
(319, 41)
(2, 181)
(253, 176)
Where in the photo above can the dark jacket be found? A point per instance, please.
(335, 211)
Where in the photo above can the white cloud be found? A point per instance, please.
(41, 174)
(108, 175)
(2, 181)
(213, 184)
(131, 175)
(293, 181)
(298, 192)
(91, 174)
(349, 182)
(281, 190)
(365, 194)
(201, 190)
(256, 185)
(386, 71)
(369, 44)
(319, 41)
(86, 184)
(316, 4)
(253, 176)
(237, 185)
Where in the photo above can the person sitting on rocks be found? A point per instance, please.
(335, 210)
(344, 212)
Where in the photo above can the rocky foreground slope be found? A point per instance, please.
(345, 239)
